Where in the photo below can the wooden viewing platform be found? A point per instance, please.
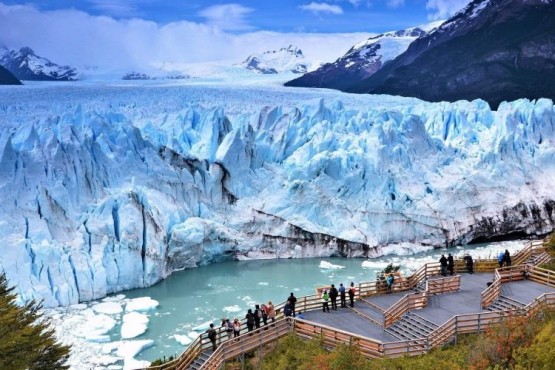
(424, 311)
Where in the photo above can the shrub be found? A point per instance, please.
(27, 340)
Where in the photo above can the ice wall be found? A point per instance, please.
(102, 199)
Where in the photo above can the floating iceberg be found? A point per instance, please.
(141, 304)
(108, 308)
(183, 339)
(134, 324)
(329, 266)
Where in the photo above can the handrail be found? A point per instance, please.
(403, 305)
(312, 302)
(443, 284)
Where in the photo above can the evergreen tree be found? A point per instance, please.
(26, 339)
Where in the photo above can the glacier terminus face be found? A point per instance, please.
(107, 188)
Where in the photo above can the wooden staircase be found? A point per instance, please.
(411, 326)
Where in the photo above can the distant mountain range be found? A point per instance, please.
(26, 65)
(7, 78)
(290, 59)
(362, 60)
(496, 50)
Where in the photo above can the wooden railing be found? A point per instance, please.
(443, 284)
(230, 349)
(412, 301)
(542, 276)
(491, 293)
(332, 337)
(312, 302)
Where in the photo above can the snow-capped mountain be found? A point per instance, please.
(290, 59)
(109, 188)
(362, 60)
(26, 65)
(7, 78)
(497, 50)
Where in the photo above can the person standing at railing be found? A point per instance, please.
(443, 264)
(292, 300)
(501, 258)
(352, 291)
(271, 311)
(469, 263)
(212, 336)
(389, 281)
(250, 320)
(228, 327)
(333, 297)
(236, 328)
(507, 258)
(325, 300)
(257, 316)
(342, 295)
(450, 264)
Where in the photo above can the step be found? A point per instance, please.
(512, 301)
(411, 326)
(505, 304)
(200, 360)
(422, 321)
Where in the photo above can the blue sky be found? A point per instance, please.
(329, 16)
(130, 33)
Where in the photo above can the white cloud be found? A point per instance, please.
(116, 8)
(318, 8)
(443, 9)
(76, 38)
(227, 16)
(395, 3)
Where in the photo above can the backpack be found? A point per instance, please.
(211, 334)
(326, 297)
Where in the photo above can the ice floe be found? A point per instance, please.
(329, 266)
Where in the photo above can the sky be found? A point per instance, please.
(138, 32)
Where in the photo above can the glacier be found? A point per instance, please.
(111, 187)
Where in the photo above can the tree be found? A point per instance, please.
(26, 339)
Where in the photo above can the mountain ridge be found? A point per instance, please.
(496, 50)
(25, 64)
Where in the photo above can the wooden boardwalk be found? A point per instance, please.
(425, 310)
(440, 308)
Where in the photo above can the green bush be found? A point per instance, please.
(27, 340)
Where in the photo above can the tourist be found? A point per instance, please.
(390, 279)
(250, 320)
(507, 258)
(271, 311)
(325, 300)
(501, 258)
(212, 336)
(257, 316)
(236, 328)
(228, 326)
(342, 295)
(293, 302)
(264, 311)
(469, 263)
(450, 264)
(352, 292)
(333, 297)
(287, 309)
(443, 264)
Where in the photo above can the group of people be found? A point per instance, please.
(261, 315)
(448, 264)
(331, 296)
(504, 258)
